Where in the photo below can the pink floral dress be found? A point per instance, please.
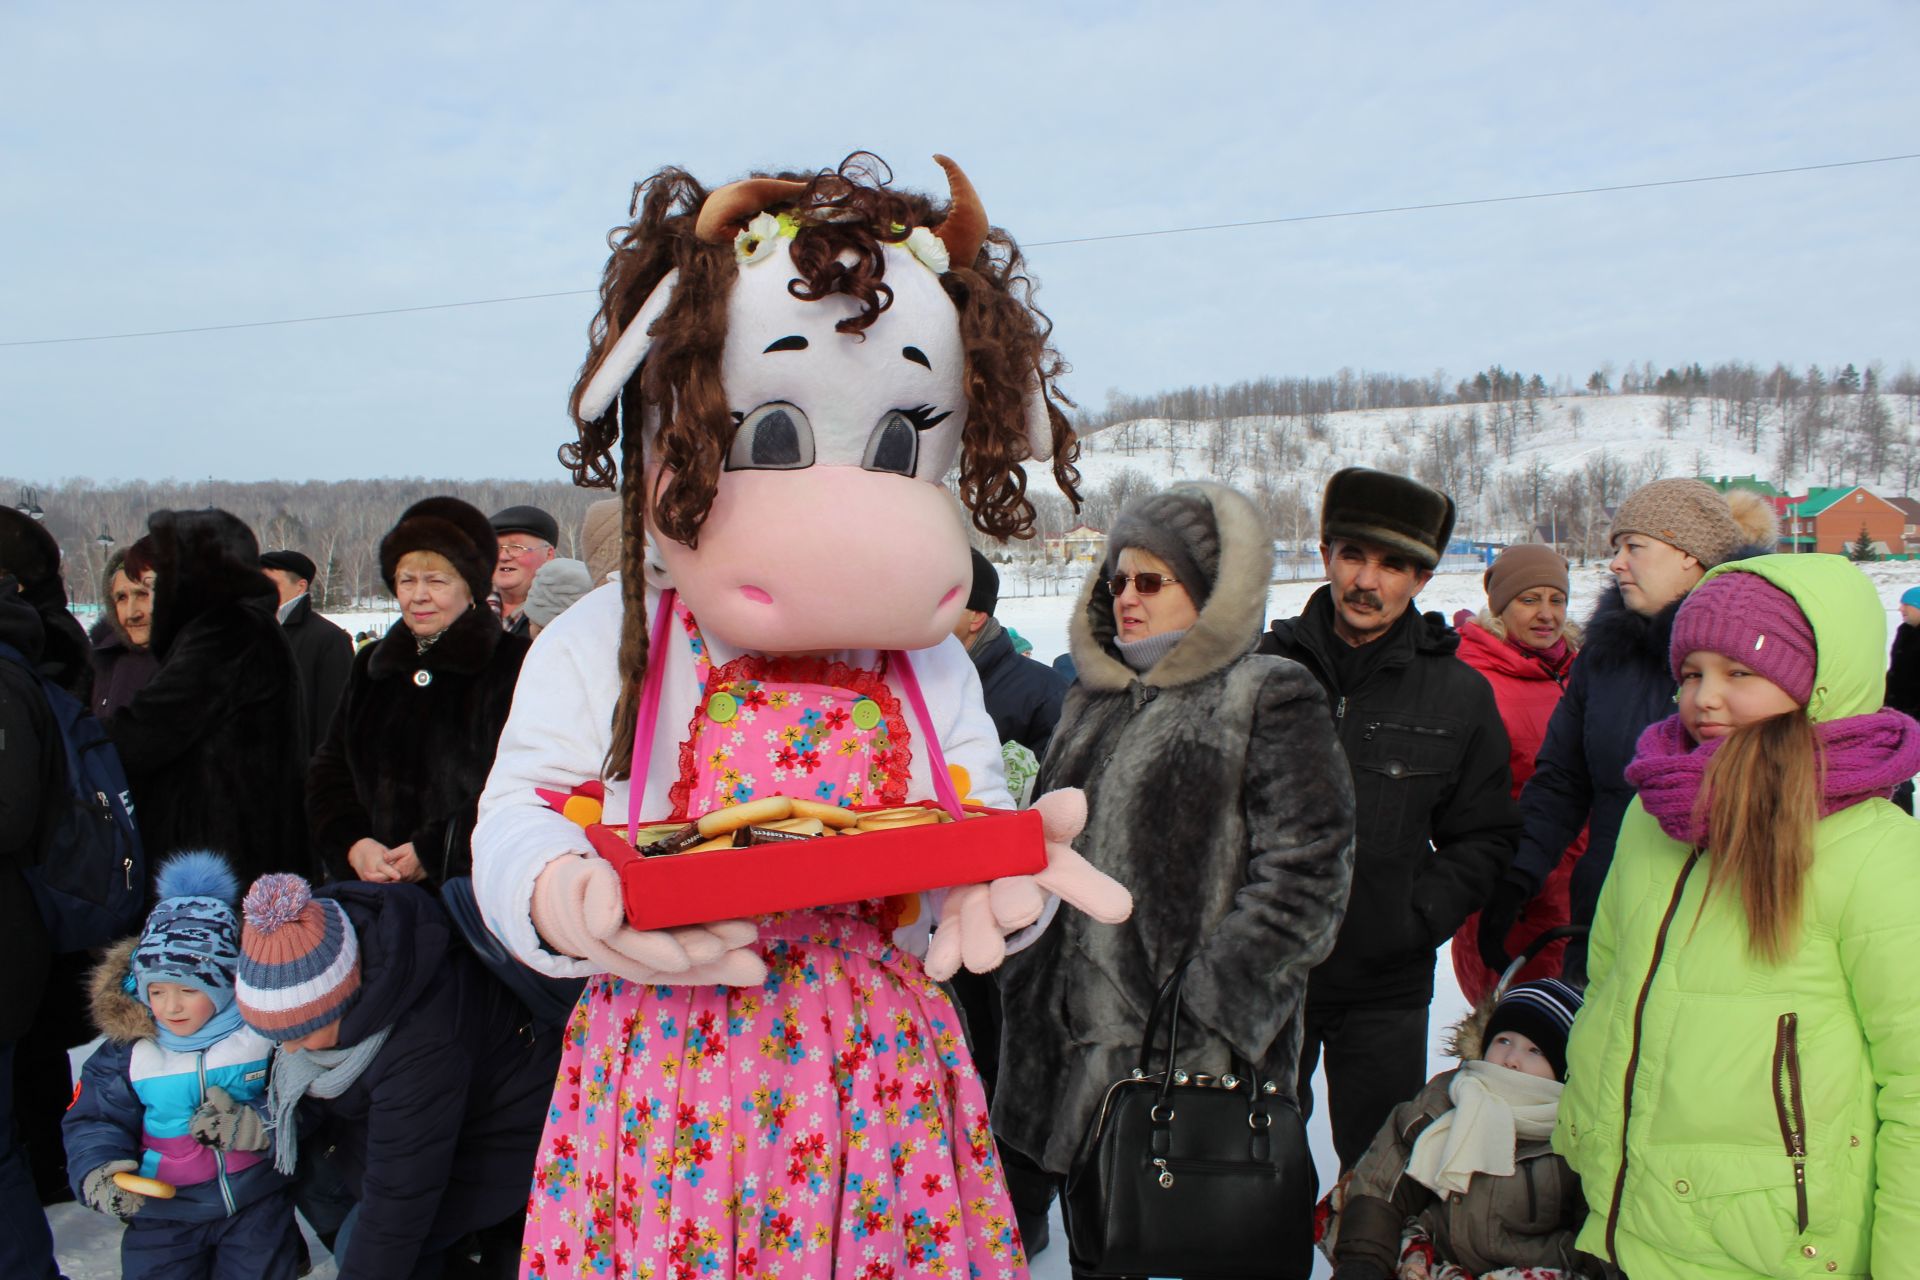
(827, 1124)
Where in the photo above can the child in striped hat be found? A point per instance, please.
(176, 1095)
(1462, 1181)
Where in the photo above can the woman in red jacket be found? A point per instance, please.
(1524, 645)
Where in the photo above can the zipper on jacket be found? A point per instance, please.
(219, 1156)
(1787, 1102)
(1340, 708)
(1633, 1056)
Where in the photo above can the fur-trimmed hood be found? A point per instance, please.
(117, 1012)
(1467, 1039)
(1229, 622)
(202, 560)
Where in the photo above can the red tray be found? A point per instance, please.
(731, 884)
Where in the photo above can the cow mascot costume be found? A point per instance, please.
(785, 371)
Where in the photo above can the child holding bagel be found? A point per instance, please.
(167, 1131)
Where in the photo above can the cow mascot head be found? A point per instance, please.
(804, 384)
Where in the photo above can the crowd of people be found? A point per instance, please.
(1659, 840)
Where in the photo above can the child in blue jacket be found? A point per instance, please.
(177, 1094)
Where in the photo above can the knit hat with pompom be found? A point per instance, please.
(299, 959)
(191, 936)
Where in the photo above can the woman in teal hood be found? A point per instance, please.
(1743, 1084)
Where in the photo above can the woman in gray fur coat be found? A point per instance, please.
(1215, 792)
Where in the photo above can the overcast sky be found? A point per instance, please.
(167, 166)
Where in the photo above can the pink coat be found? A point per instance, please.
(1526, 688)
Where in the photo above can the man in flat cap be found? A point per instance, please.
(1436, 823)
(322, 651)
(527, 537)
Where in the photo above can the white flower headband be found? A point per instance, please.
(755, 242)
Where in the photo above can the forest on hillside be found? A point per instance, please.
(1506, 444)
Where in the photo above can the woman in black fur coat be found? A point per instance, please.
(214, 743)
(1215, 791)
(392, 791)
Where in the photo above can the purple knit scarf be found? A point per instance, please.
(1865, 756)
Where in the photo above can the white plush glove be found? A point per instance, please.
(577, 909)
(976, 918)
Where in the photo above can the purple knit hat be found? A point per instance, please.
(1746, 618)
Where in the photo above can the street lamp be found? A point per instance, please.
(105, 543)
(29, 505)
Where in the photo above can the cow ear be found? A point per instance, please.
(619, 363)
(1039, 421)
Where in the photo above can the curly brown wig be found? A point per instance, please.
(847, 215)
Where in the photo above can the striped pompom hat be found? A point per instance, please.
(299, 959)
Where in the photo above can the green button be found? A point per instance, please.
(722, 707)
(866, 713)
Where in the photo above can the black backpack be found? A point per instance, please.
(89, 873)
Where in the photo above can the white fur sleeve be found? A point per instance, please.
(556, 737)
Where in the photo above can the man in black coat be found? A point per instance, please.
(1436, 824)
(322, 651)
(41, 628)
(215, 746)
(26, 1245)
(1022, 696)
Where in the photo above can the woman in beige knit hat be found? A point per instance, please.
(1665, 536)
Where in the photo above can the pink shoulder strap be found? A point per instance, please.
(942, 781)
(649, 714)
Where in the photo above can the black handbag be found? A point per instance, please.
(1191, 1175)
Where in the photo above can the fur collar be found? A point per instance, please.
(1228, 626)
(117, 1013)
(464, 647)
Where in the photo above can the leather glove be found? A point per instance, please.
(231, 1126)
(103, 1196)
(976, 918)
(1497, 919)
(577, 909)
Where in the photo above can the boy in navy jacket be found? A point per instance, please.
(178, 1094)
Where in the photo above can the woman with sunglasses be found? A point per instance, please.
(1215, 792)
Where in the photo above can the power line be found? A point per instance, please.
(1035, 244)
(1461, 204)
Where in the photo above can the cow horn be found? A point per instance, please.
(727, 210)
(965, 228)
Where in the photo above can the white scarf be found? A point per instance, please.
(1494, 1108)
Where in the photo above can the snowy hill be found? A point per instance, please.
(1555, 458)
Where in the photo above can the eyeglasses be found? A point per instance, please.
(1147, 584)
(516, 549)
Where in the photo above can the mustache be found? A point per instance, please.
(1370, 599)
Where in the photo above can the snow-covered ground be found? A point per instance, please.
(88, 1243)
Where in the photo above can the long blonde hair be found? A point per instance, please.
(1759, 801)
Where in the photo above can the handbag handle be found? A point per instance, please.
(1169, 988)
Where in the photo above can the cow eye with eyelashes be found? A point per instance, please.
(773, 437)
(895, 443)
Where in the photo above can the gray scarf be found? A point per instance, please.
(320, 1073)
(1142, 654)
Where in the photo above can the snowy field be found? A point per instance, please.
(88, 1243)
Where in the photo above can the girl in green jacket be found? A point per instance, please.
(1743, 1084)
